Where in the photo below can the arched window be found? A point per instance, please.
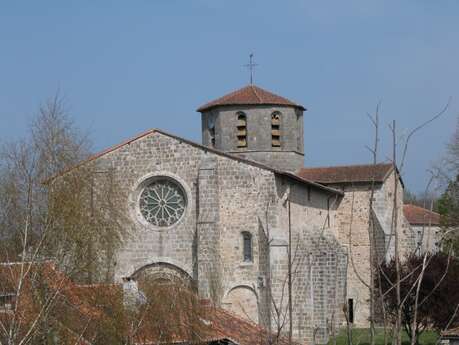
(247, 246)
(241, 129)
(275, 129)
(211, 128)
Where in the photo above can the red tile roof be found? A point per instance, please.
(66, 311)
(347, 174)
(209, 324)
(190, 320)
(250, 95)
(240, 331)
(86, 312)
(416, 215)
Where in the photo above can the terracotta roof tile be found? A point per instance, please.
(250, 95)
(208, 322)
(416, 215)
(84, 311)
(67, 306)
(241, 331)
(347, 174)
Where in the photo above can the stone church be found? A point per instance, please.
(240, 219)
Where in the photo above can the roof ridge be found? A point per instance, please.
(378, 172)
(201, 146)
(253, 87)
(100, 154)
(232, 93)
(420, 207)
(97, 285)
(228, 95)
(38, 262)
(347, 165)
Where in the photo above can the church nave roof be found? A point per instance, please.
(347, 173)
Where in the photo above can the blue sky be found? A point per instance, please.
(125, 66)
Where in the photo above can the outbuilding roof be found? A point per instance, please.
(250, 95)
(416, 215)
(347, 173)
(84, 310)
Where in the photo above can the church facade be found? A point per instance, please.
(241, 220)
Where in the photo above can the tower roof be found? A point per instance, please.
(250, 95)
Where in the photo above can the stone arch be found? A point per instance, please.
(243, 301)
(163, 273)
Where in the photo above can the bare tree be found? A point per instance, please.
(395, 226)
(374, 281)
(53, 220)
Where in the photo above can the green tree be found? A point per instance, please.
(448, 204)
(448, 207)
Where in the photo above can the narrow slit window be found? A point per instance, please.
(212, 136)
(350, 304)
(275, 129)
(241, 130)
(247, 246)
(211, 128)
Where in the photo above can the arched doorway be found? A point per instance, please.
(163, 273)
(243, 301)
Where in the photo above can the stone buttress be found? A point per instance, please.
(208, 235)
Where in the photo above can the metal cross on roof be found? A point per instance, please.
(251, 66)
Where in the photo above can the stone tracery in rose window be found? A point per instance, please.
(162, 202)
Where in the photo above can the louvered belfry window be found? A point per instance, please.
(247, 245)
(241, 130)
(275, 129)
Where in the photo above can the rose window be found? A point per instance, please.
(162, 202)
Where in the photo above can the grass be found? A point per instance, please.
(361, 336)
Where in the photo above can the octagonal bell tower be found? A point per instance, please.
(256, 124)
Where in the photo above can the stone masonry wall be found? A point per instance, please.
(226, 197)
(209, 264)
(383, 207)
(319, 285)
(244, 195)
(427, 238)
(135, 163)
(286, 161)
(259, 145)
(353, 224)
(312, 221)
